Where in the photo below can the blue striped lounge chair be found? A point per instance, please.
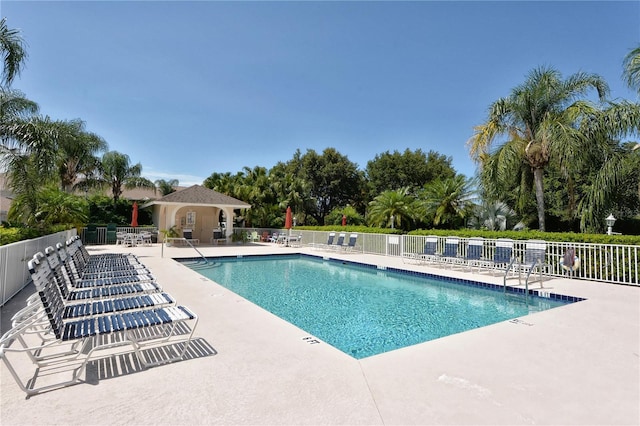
(502, 256)
(82, 275)
(115, 285)
(430, 249)
(351, 244)
(339, 242)
(113, 299)
(329, 243)
(450, 254)
(475, 246)
(91, 337)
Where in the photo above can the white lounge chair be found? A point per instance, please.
(75, 342)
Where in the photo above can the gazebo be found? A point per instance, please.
(200, 209)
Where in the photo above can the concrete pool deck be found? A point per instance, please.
(577, 364)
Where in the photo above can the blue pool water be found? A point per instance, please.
(365, 311)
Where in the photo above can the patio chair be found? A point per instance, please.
(430, 250)
(147, 238)
(100, 265)
(121, 237)
(502, 256)
(74, 244)
(351, 244)
(475, 247)
(450, 254)
(339, 242)
(91, 234)
(111, 233)
(119, 301)
(329, 243)
(100, 336)
(294, 241)
(73, 288)
(82, 272)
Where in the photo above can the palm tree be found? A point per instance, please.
(12, 51)
(603, 153)
(494, 216)
(14, 105)
(448, 200)
(224, 183)
(166, 187)
(539, 121)
(293, 191)
(395, 208)
(118, 172)
(53, 207)
(631, 69)
(28, 154)
(77, 150)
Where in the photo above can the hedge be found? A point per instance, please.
(13, 235)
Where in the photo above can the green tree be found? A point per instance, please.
(448, 201)
(78, 161)
(254, 187)
(353, 217)
(334, 181)
(494, 216)
(631, 69)
(118, 173)
(396, 209)
(293, 191)
(539, 121)
(609, 162)
(29, 154)
(166, 187)
(14, 106)
(102, 209)
(224, 183)
(406, 170)
(12, 50)
(53, 207)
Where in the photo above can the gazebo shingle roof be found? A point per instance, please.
(198, 194)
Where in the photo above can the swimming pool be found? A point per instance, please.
(361, 310)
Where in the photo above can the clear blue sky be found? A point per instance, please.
(192, 88)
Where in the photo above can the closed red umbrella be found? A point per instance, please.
(344, 220)
(134, 215)
(288, 220)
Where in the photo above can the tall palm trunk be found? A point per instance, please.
(538, 174)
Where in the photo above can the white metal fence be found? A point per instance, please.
(609, 263)
(14, 272)
(102, 236)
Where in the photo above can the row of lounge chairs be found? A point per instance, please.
(88, 307)
(338, 244)
(476, 255)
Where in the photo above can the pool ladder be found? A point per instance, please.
(526, 281)
(193, 247)
(198, 251)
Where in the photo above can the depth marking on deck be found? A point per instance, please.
(519, 321)
(311, 340)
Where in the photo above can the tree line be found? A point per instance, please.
(547, 157)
